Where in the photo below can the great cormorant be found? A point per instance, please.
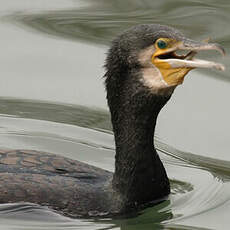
(142, 71)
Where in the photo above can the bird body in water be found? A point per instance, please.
(142, 71)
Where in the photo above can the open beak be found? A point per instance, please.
(174, 67)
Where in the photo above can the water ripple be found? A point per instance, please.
(100, 21)
(199, 184)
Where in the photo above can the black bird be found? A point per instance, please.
(142, 71)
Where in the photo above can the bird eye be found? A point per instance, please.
(161, 44)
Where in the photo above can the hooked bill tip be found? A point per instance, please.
(220, 49)
(220, 67)
(198, 46)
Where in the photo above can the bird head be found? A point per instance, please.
(149, 55)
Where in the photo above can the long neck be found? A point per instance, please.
(139, 174)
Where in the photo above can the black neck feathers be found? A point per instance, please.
(139, 174)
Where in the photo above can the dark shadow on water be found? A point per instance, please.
(154, 218)
(101, 20)
(69, 114)
(150, 218)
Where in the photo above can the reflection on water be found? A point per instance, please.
(38, 64)
(102, 20)
(71, 114)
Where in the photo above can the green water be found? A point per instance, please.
(52, 99)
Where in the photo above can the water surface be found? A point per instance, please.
(52, 99)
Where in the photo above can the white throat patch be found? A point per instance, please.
(151, 76)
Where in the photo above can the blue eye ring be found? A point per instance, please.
(161, 44)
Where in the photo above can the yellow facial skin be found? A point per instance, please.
(172, 76)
